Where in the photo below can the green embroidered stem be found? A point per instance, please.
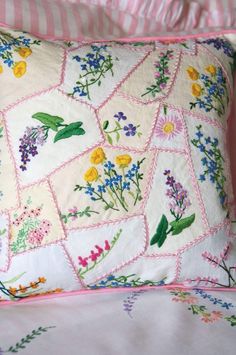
(28, 339)
(86, 212)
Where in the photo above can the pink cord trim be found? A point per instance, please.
(115, 290)
(134, 39)
(7, 217)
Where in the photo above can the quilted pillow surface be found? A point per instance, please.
(114, 169)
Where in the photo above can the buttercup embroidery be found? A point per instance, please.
(19, 45)
(162, 74)
(210, 89)
(95, 65)
(212, 162)
(120, 181)
(127, 129)
(178, 206)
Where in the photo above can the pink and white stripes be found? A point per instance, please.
(107, 19)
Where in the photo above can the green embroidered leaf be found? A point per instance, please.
(48, 120)
(105, 125)
(179, 226)
(109, 139)
(232, 320)
(14, 279)
(73, 129)
(160, 235)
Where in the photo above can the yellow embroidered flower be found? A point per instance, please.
(98, 156)
(25, 52)
(1, 69)
(13, 290)
(33, 285)
(196, 90)
(123, 160)
(211, 69)
(22, 289)
(91, 175)
(193, 73)
(19, 69)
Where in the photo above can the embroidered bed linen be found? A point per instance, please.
(114, 168)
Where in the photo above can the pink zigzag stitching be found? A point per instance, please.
(48, 186)
(50, 88)
(132, 260)
(72, 266)
(208, 234)
(169, 88)
(118, 84)
(148, 140)
(17, 188)
(8, 242)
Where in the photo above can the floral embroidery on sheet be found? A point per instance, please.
(127, 129)
(97, 255)
(10, 45)
(220, 44)
(179, 203)
(212, 162)
(94, 65)
(213, 299)
(162, 74)
(202, 311)
(35, 137)
(74, 213)
(209, 89)
(120, 180)
(1, 135)
(129, 301)
(23, 342)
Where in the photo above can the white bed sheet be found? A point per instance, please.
(133, 322)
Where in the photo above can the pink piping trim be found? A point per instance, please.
(212, 33)
(115, 290)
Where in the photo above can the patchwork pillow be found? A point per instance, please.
(114, 167)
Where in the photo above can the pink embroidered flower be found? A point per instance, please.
(168, 127)
(83, 261)
(99, 249)
(93, 256)
(35, 237)
(73, 211)
(186, 299)
(107, 245)
(211, 317)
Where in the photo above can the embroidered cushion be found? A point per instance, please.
(114, 168)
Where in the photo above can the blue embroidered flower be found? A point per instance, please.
(89, 190)
(130, 130)
(109, 165)
(120, 116)
(101, 188)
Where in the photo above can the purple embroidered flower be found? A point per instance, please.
(120, 116)
(178, 196)
(33, 136)
(130, 130)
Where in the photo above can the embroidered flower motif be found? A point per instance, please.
(24, 52)
(94, 65)
(19, 69)
(109, 185)
(196, 90)
(212, 93)
(91, 175)
(211, 69)
(129, 129)
(123, 160)
(212, 162)
(221, 44)
(179, 203)
(1, 69)
(162, 74)
(132, 280)
(168, 127)
(97, 255)
(74, 213)
(98, 156)
(193, 73)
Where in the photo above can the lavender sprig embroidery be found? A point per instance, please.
(162, 74)
(129, 301)
(35, 137)
(212, 163)
(220, 44)
(179, 203)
